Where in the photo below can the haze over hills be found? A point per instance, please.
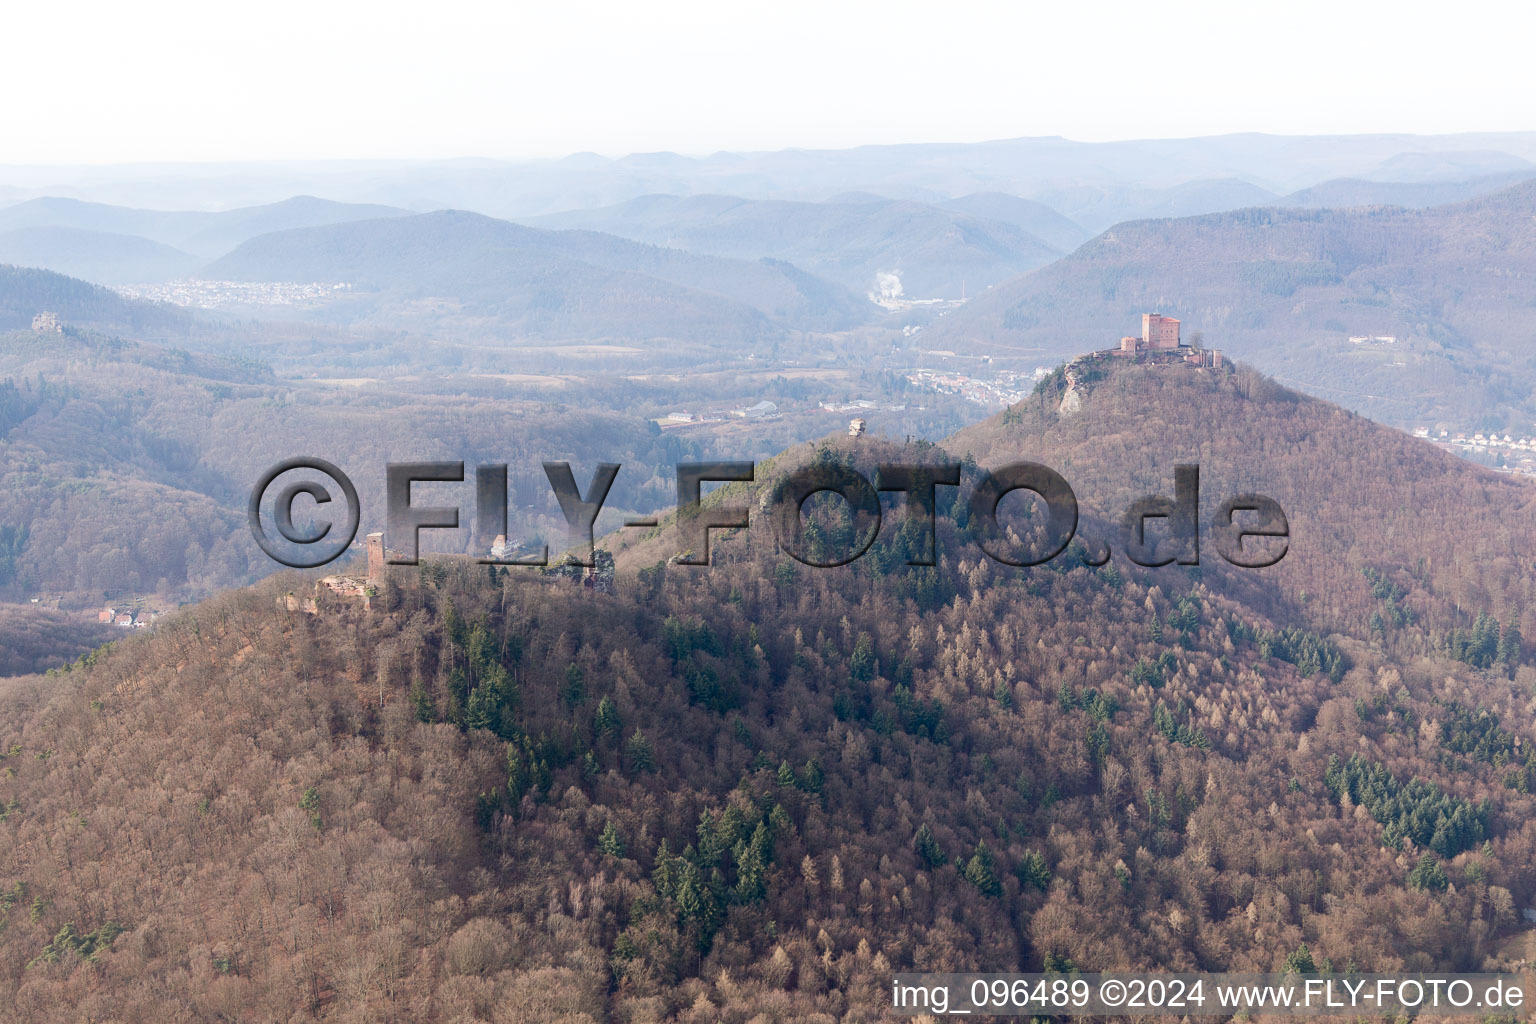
(1027, 167)
(1287, 288)
(201, 233)
(96, 255)
(1054, 190)
(759, 789)
(115, 245)
(1039, 220)
(1449, 165)
(1096, 206)
(522, 282)
(1348, 192)
(936, 253)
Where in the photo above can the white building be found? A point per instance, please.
(761, 411)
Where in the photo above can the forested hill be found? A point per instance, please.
(1359, 496)
(1287, 289)
(549, 284)
(25, 292)
(751, 792)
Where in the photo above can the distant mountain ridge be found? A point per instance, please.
(1030, 167)
(937, 252)
(1035, 217)
(205, 234)
(1098, 205)
(549, 284)
(1341, 193)
(1425, 167)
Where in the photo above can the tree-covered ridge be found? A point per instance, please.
(764, 787)
(1390, 537)
(726, 786)
(24, 292)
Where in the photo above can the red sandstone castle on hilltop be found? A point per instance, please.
(1160, 336)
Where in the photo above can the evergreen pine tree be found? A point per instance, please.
(638, 753)
(517, 774)
(713, 840)
(862, 664)
(421, 702)
(981, 871)
(606, 722)
(575, 689)
(786, 775)
(752, 859)
(1033, 871)
(1299, 962)
(1428, 875)
(1509, 644)
(812, 777)
(611, 843)
(480, 710)
(927, 848)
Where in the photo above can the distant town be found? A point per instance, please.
(1505, 452)
(1006, 388)
(223, 294)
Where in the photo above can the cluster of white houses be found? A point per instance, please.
(1492, 440)
(127, 618)
(1503, 451)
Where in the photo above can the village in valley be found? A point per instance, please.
(1508, 453)
(199, 294)
(133, 616)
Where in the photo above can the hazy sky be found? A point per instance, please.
(102, 82)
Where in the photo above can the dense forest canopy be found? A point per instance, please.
(751, 792)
